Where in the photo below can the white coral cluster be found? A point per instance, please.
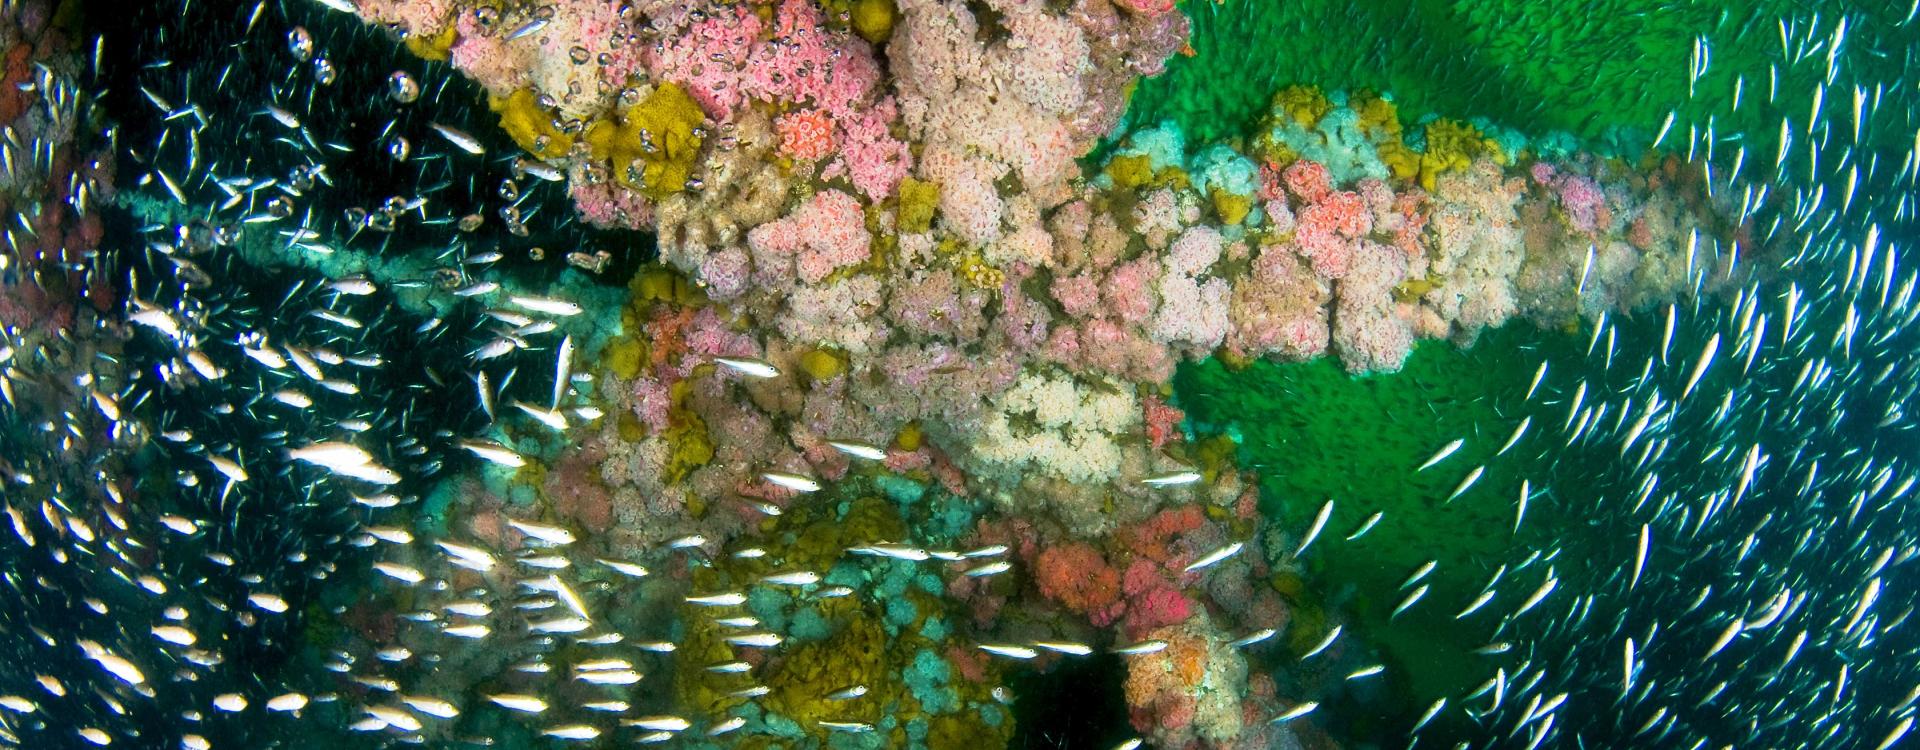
(1056, 425)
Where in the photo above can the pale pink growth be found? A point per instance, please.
(1195, 251)
(1079, 296)
(824, 235)
(1580, 197)
(1123, 351)
(1331, 255)
(1280, 310)
(1409, 231)
(416, 17)
(1304, 338)
(1029, 246)
(1192, 313)
(874, 160)
(1149, 8)
(650, 401)
(842, 313)
(605, 204)
(726, 273)
(1158, 212)
(709, 336)
(566, 54)
(1022, 317)
(1043, 57)
(1069, 224)
(711, 58)
(1129, 290)
(480, 52)
(1279, 216)
(1106, 242)
(969, 205)
(1368, 332)
(937, 303)
(1370, 340)
(1380, 203)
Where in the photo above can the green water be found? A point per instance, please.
(1313, 433)
(1586, 67)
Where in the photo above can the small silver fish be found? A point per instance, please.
(1214, 557)
(1313, 531)
(1432, 711)
(1539, 595)
(1008, 650)
(989, 569)
(686, 542)
(1408, 602)
(1172, 479)
(1515, 437)
(847, 694)
(551, 535)
(795, 482)
(1325, 643)
(755, 640)
(858, 449)
(1442, 454)
(547, 305)
(529, 28)
(1294, 713)
(517, 702)
(1064, 647)
(494, 453)
(357, 286)
(1467, 484)
(1476, 604)
(1367, 525)
(459, 138)
(893, 551)
(754, 368)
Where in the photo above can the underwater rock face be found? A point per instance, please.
(813, 373)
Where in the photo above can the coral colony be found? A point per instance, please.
(884, 201)
(885, 427)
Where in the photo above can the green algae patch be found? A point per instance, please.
(1314, 433)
